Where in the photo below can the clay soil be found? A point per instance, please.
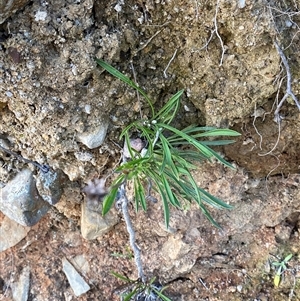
(196, 260)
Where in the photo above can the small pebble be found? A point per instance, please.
(8, 94)
(93, 137)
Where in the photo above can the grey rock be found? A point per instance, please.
(20, 289)
(11, 233)
(50, 185)
(77, 283)
(93, 137)
(93, 224)
(8, 8)
(20, 200)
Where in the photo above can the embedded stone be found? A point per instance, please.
(93, 137)
(50, 185)
(20, 200)
(93, 224)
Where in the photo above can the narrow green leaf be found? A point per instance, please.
(217, 142)
(189, 191)
(152, 280)
(167, 113)
(119, 180)
(145, 133)
(177, 201)
(190, 156)
(117, 275)
(202, 148)
(167, 156)
(169, 192)
(194, 128)
(109, 200)
(194, 186)
(130, 295)
(207, 152)
(136, 195)
(132, 164)
(283, 266)
(209, 217)
(127, 129)
(162, 296)
(156, 178)
(191, 129)
(279, 270)
(182, 162)
(166, 153)
(204, 142)
(166, 208)
(140, 193)
(212, 200)
(287, 258)
(125, 79)
(182, 187)
(165, 205)
(217, 132)
(128, 144)
(216, 155)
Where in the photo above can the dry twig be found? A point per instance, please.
(215, 31)
(137, 92)
(172, 58)
(147, 43)
(288, 91)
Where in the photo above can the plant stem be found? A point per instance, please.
(137, 252)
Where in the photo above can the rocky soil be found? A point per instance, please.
(58, 108)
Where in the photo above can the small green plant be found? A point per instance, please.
(162, 161)
(280, 268)
(158, 156)
(138, 290)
